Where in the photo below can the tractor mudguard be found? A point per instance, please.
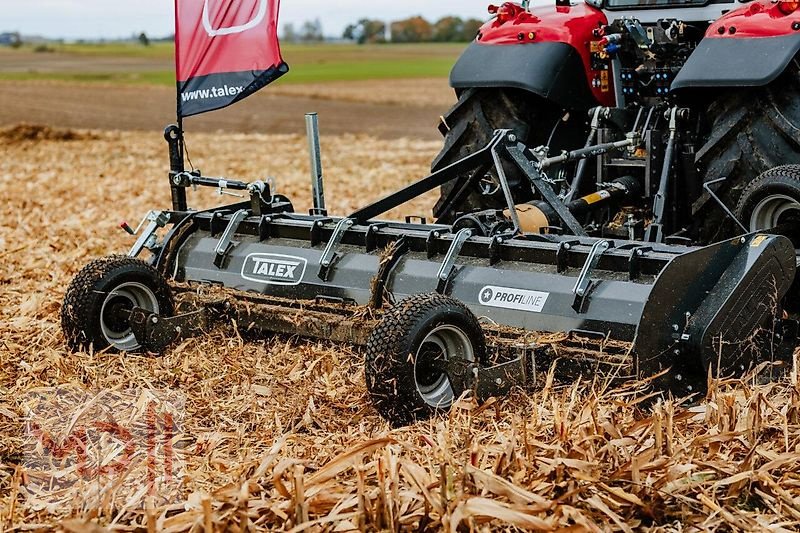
(551, 70)
(748, 47)
(548, 50)
(739, 62)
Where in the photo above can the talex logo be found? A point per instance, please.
(274, 269)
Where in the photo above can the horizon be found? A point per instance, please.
(67, 19)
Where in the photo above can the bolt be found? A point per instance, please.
(437, 235)
(796, 26)
(268, 219)
(500, 240)
(679, 378)
(639, 253)
(567, 246)
(512, 137)
(326, 263)
(498, 382)
(154, 320)
(742, 240)
(689, 388)
(676, 327)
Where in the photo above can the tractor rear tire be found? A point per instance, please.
(96, 309)
(470, 125)
(751, 131)
(405, 353)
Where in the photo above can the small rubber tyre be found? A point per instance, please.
(97, 305)
(403, 380)
(772, 203)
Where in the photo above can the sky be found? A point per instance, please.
(75, 19)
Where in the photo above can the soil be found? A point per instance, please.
(150, 108)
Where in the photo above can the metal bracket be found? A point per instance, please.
(562, 254)
(635, 261)
(430, 242)
(157, 220)
(156, 333)
(225, 244)
(329, 255)
(371, 237)
(449, 263)
(501, 176)
(549, 196)
(584, 282)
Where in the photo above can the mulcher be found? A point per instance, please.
(621, 173)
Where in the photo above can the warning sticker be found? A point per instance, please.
(521, 300)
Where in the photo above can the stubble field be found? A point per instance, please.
(279, 434)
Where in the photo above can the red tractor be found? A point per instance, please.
(695, 101)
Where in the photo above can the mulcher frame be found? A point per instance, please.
(686, 310)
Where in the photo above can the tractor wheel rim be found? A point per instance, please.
(113, 319)
(443, 343)
(770, 211)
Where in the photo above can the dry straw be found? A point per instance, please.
(279, 434)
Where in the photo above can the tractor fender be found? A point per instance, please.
(553, 71)
(546, 50)
(748, 47)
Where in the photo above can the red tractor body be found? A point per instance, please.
(582, 26)
(577, 26)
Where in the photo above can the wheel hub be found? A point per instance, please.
(116, 311)
(440, 345)
(774, 211)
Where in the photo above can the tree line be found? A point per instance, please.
(410, 30)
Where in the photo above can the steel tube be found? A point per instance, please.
(315, 152)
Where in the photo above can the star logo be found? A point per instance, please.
(487, 295)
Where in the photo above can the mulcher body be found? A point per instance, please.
(581, 194)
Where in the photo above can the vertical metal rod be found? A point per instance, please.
(174, 137)
(315, 152)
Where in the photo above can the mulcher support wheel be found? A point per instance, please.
(772, 202)
(407, 353)
(97, 306)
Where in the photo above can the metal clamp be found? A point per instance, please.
(225, 243)
(584, 283)
(329, 255)
(155, 220)
(449, 263)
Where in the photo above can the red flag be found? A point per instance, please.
(225, 50)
